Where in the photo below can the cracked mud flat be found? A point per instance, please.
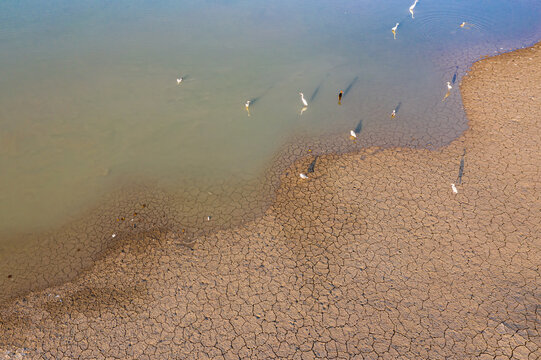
(372, 257)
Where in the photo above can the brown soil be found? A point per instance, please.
(373, 256)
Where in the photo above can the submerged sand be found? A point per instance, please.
(373, 256)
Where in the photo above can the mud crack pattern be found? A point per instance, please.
(373, 257)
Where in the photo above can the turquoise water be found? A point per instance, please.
(89, 101)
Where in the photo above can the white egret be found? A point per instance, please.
(463, 24)
(247, 105)
(179, 80)
(393, 114)
(303, 176)
(449, 87)
(303, 99)
(394, 30)
(454, 188)
(413, 7)
(113, 236)
(353, 135)
(303, 109)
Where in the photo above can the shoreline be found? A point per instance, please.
(81, 240)
(73, 247)
(373, 255)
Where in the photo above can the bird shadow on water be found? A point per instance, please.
(455, 76)
(316, 91)
(257, 98)
(397, 108)
(350, 86)
(359, 127)
(254, 100)
(314, 94)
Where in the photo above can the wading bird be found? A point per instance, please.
(449, 87)
(305, 103)
(394, 30)
(340, 94)
(413, 7)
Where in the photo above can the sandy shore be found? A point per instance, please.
(373, 256)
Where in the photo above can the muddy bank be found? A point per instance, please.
(373, 256)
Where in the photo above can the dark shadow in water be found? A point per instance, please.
(455, 75)
(348, 89)
(256, 99)
(314, 94)
(397, 108)
(312, 166)
(359, 127)
(316, 91)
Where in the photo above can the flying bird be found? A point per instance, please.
(413, 7)
(305, 103)
(394, 30)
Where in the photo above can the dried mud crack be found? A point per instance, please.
(374, 256)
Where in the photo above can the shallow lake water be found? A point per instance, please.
(90, 108)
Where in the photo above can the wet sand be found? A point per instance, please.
(373, 256)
